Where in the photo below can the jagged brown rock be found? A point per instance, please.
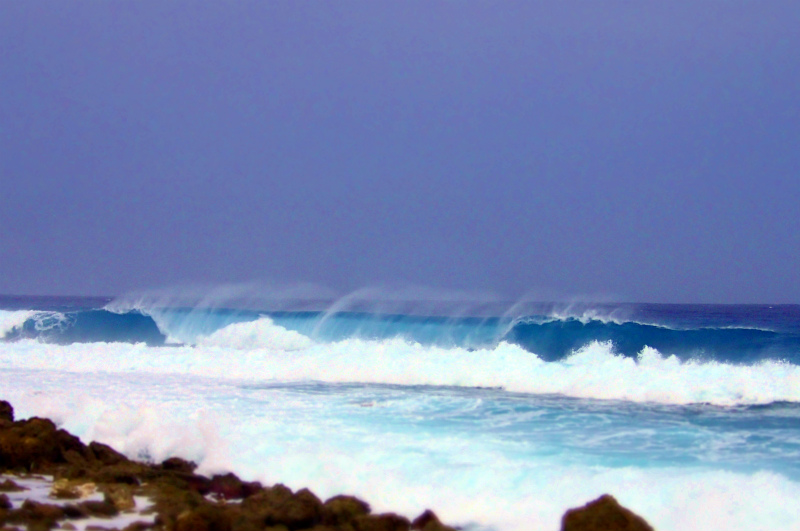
(10, 486)
(6, 411)
(382, 522)
(603, 514)
(428, 521)
(342, 509)
(230, 487)
(35, 444)
(176, 464)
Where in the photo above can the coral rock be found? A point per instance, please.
(106, 455)
(6, 411)
(10, 486)
(120, 496)
(428, 521)
(177, 464)
(603, 514)
(342, 509)
(71, 489)
(382, 522)
(230, 487)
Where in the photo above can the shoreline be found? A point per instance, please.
(49, 479)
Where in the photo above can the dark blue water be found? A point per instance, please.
(729, 333)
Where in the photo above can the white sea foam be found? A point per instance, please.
(335, 446)
(271, 353)
(259, 334)
(9, 320)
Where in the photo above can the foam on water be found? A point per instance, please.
(389, 447)
(9, 320)
(261, 333)
(594, 371)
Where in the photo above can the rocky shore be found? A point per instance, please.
(49, 479)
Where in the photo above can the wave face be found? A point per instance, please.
(729, 334)
(86, 326)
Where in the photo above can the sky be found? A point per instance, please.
(632, 151)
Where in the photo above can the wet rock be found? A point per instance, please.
(303, 510)
(35, 515)
(138, 526)
(106, 455)
(120, 496)
(10, 486)
(268, 499)
(428, 521)
(127, 472)
(342, 509)
(5, 503)
(66, 489)
(204, 518)
(382, 522)
(6, 411)
(34, 444)
(73, 511)
(603, 514)
(230, 487)
(99, 508)
(278, 506)
(176, 464)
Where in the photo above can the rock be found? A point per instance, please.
(603, 514)
(127, 472)
(66, 489)
(382, 522)
(138, 526)
(106, 455)
(10, 486)
(277, 505)
(5, 503)
(343, 509)
(268, 499)
(120, 496)
(35, 443)
(6, 411)
(204, 518)
(35, 515)
(73, 511)
(230, 487)
(99, 508)
(177, 464)
(428, 521)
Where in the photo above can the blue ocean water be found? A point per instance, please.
(689, 414)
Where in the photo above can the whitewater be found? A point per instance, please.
(689, 415)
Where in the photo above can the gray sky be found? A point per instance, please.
(644, 151)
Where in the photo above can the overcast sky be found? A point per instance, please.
(639, 151)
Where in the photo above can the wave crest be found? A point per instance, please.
(593, 372)
(261, 333)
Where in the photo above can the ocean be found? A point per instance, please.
(496, 416)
